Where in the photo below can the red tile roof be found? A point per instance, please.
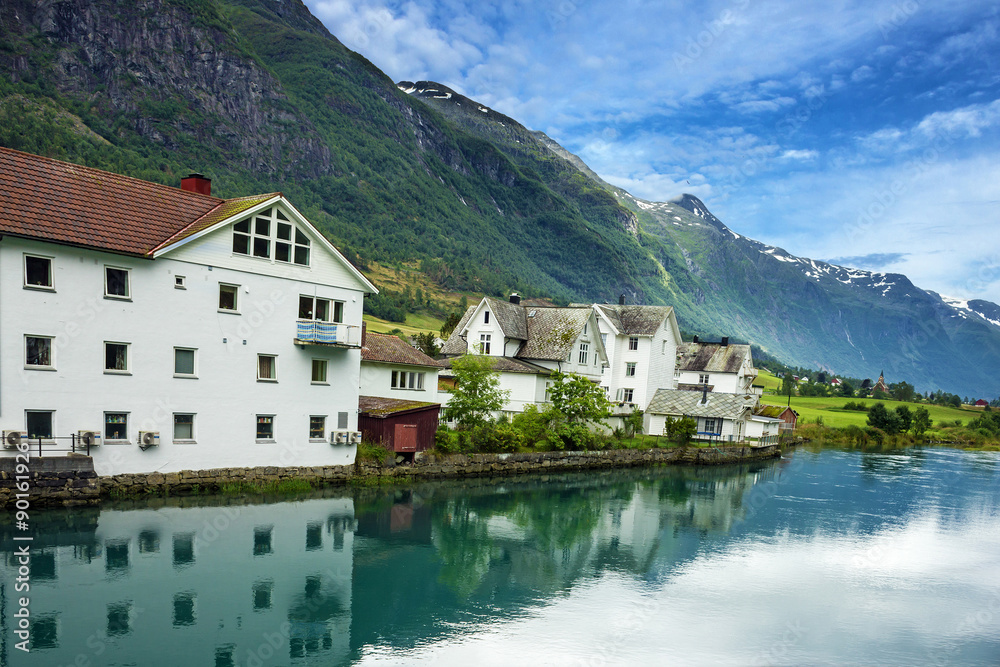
(61, 202)
(382, 348)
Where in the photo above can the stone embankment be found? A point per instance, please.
(71, 480)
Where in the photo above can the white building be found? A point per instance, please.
(391, 368)
(725, 368)
(529, 343)
(641, 343)
(720, 417)
(230, 330)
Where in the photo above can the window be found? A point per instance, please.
(633, 343)
(584, 329)
(116, 357)
(319, 371)
(604, 339)
(38, 272)
(38, 352)
(584, 349)
(38, 423)
(179, 282)
(713, 426)
(627, 395)
(115, 426)
(183, 427)
(269, 230)
(702, 379)
(184, 358)
(265, 427)
(408, 380)
(267, 367)
(484, 343)
(486, 317)
(630, 369)
(317, 427)
(116, 283)
(228, 297)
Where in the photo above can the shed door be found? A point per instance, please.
(405, 439)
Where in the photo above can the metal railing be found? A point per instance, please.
(41, 446)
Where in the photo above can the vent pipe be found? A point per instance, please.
(694, 340)
(515, 298)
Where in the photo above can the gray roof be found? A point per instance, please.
(503, 365)
(635, 320)
(456, 345)
(552, 332)
(711, 357)
(675, 402)
(510, 317)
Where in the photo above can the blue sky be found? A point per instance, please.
(865, 133)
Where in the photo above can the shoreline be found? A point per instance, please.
(71, 481)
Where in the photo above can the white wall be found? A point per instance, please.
(376, 380)
(226, 396)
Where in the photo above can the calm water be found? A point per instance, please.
(820, 558)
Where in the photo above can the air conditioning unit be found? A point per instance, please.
(338, 437)
(355, 438)
(91, 438)
(148, 439)
(12, 439)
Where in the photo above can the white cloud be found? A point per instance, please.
(799, 155)
(862, 73)
(968, 121)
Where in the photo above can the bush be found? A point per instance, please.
(496, 438)
(860, 406)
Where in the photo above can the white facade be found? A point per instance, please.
(377, 379)
(638, 364)
(740, 382)
(171, 317)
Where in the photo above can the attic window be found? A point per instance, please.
(486, 317)
(270, 235)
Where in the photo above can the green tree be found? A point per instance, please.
(427, 343)
(903, 391)
(449, 325)
(633, 423)
(477, 394)
(921, 421)
(680, 430)
(578, 399)
(846, 389)
(787, 385)
(905, 418)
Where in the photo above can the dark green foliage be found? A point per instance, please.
(680, 431)
(921, 421)
(860, 406)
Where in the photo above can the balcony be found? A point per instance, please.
(312, 332)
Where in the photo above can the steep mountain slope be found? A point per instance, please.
(803, 311)
(259, 96)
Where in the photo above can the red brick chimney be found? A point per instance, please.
(197, 183)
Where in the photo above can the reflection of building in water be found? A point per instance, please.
(224, 585)
(709, 502)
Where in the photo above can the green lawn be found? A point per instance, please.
(810, 408)
(414, 324)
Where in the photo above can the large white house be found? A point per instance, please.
(529, 342)
(177, 329)
(641, 343)
(725, 368)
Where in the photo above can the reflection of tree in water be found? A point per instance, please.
(463, 543)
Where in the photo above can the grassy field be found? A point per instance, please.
(414, 324)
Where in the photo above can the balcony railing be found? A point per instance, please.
(312, 332)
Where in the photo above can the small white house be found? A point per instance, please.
(725, 368)
(173, 329)
(391, 368)
(641, 342)
(721, 417)
(529, 343)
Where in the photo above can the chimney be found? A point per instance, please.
(364, 333)
(704, 394)
(197, 183)
(515, 298)
(621, 300)
(725, 341)
(694, 340)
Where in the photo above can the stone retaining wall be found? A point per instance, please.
(54, 481)
(66, 481)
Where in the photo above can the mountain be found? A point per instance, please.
(259, 96)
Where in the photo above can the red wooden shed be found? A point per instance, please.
(398, 425)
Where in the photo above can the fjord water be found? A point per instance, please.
(823, 557)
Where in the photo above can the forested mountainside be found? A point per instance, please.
(259, 96)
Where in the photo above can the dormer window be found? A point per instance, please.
(271, 235)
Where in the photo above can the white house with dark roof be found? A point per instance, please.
(641, 342)
(392, 368)
(529, 343)
(172, 329)
(720, 417)
(725, 368)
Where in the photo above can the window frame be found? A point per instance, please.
(583, 353)
(270, 424)
(633, 342)
(322, 428)
(630, 369)
(105, 433)
(51, 366)
(274, 367)
(128, 358)
(628, 394)
(180, 282)
(236, 299)
(173, 428)
(485, 340)
(703, 378)
(326, 371)
(127, 296)
(486, 317)
(52, 424)
(194, 362)
(408, 380)
(51, 286)
(298, 244)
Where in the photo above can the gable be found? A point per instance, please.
(266, 235)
